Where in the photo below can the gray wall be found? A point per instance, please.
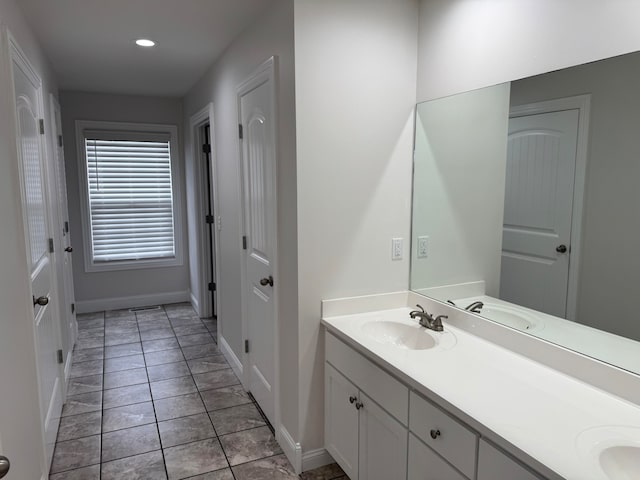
(271, 35)
(468, 44)
(609, 264)
(100, 290)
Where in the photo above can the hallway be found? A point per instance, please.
(151, 397)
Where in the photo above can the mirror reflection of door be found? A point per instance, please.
(540, 176)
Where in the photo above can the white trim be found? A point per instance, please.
(176, 185)
(234, 361)
(265, 72)
(194, 303)
(291, 449)
(115, 303)
(316, 459)
(199, 172)
(583, 104)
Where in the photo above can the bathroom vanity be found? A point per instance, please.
(402, 401)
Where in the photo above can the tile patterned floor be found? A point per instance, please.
(152, 398)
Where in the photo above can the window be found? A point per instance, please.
(130, 184)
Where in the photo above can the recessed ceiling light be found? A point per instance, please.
(143, 42)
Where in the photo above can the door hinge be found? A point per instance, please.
(209, 219)
(60, 141)
(73, 308)
(41, 126)
(246, 346)
(240, 131)
(60, 357)
(212, 287)
(206, 148)
(66, 227)
(51, 245)
(244, 242)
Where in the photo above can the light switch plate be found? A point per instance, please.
(396, 249)
(423, 247)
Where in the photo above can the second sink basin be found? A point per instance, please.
(621, 463)
(613, 451)
(404, 336)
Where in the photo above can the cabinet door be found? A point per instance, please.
(341, 421)
(493, 464)
(383, 444)
(424, 464)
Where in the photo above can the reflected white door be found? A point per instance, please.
(63, 257)
(28, 97)
(541, 162)
(259, 185)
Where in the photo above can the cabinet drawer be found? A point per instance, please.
(388, 392)
(453, 441)
(493, 464)
(426, 465)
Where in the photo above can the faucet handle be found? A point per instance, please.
(440, 317)
(420, 307)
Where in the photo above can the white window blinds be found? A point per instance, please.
(130, 196)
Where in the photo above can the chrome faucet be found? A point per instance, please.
(475, 307)
(426, 320)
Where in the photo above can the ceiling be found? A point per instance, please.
(91, 42)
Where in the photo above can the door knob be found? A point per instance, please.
(5, 465)
(434, 434)
(561, 249)
(267, 281)
(42, 301)
(352, 399)
(69, 249)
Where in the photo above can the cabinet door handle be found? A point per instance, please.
(434, 433)
(352, 399)
(359, 405)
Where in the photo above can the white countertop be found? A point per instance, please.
(540, 411)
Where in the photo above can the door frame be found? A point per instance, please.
(17, 55)
(199, 177)
(62, 207)
(582, 103)
(265, 72)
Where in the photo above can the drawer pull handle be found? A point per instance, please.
(359, 405)
(352, 399)
(434, 434)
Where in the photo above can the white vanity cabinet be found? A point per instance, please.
(376, 428)
(494, 464)
(361, 434)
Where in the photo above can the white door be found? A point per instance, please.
(63, 256)
(259, 185)
(382, 449)
(541, 163)
(341, 421)
(28, 98)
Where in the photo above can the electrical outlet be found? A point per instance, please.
(396, 249)
(423, 247)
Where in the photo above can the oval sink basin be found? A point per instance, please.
(612, 451)
(510, 317)
(621, 463)
(404, 336)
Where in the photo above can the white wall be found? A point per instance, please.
(459, 185)
(271, 35)
(468, 44)
(118, 289)
(20, 427)
(355, 95)
(607, 294)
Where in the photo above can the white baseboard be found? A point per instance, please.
(195, 304)
(291, 449)
(67, 370)
(316, 459)
(115, 303)
(231, 357)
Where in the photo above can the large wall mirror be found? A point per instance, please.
(526, 206)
